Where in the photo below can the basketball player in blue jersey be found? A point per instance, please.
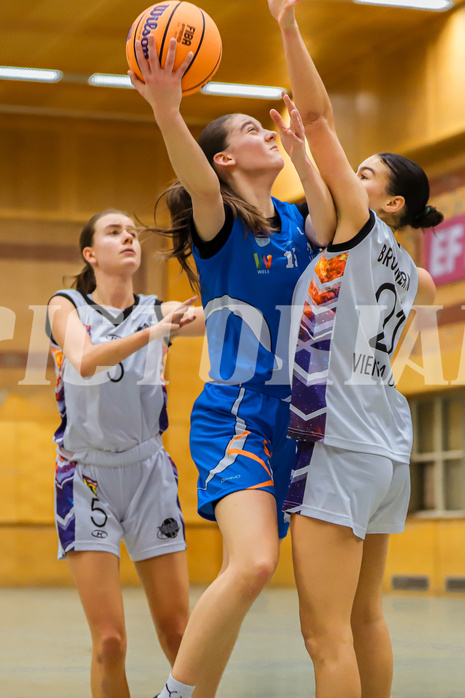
(249, 249)
(350, 484)
(113, 477)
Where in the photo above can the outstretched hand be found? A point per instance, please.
(173, 321)
(161, 87)
(283, 11)
(292, 136)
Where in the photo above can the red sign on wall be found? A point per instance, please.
(445, 251)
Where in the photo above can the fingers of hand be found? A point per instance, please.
(188, 303)
(296, 124)
(170, 56)
(278, 119)
(144, 65)
(137, 83)
(153, 61)
(185, 64)
(288, 102)
(179, 314)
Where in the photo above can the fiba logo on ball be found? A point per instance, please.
(193, 29)
(168, 529)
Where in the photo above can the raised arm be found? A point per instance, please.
(320, 225)
(87, 358)
(162, 90)
(308, 90)
(312, 101)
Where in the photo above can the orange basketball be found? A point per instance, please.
(194, 31)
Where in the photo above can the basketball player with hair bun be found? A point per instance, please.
(350, 485)
(113, 478)
(249, 249)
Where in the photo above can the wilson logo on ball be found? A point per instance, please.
(150, 24)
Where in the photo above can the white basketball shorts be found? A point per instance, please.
(96, 506)
(366, 492)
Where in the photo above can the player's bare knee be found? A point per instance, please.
(327, 647)
(170, 641)
(253, 576)
(110, 648)
(366, 616)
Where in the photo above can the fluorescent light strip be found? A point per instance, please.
(435, 5)
(110, 80)
(227, 89)
(29, 74)
(231, 89)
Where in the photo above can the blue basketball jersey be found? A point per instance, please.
(247, 288)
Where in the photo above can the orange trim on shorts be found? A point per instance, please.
(270, 483)
(249, 454)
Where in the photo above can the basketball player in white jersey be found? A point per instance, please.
(350, 484)
(113, 477)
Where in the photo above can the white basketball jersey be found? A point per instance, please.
(120, 407)
(351, 305)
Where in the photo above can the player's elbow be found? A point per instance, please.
(206, 190)
(315, 118)
(86, 369)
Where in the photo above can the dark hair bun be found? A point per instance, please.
(430, 217)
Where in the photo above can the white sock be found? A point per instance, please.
(175, 689)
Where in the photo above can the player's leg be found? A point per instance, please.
(247, 520)
(332, 494)
(231, 434)
(327, 559)
(166, 584)
(371, 636)
(154, 536)
(96, 575)
(90, 534)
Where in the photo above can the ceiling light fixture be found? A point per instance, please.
(110, 80)
(8, 72)
(435, 5)
(231, 89)
(225, 89)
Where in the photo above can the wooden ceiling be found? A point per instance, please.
(81, 37)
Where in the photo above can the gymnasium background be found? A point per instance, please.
(69, 150)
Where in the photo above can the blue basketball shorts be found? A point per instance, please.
(238, 442)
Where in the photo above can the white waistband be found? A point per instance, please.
(111, 459)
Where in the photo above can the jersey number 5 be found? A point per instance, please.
(100, 523)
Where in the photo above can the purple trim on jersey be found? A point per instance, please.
(60, 432)
(296, 491)
(311, 363)
(59, 359)
(163, 418)
(176, 477)
(64, 498)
